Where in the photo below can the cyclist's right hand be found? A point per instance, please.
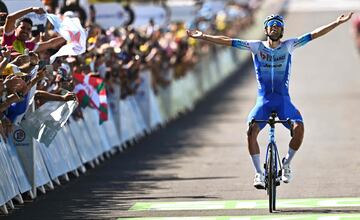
(194, 33)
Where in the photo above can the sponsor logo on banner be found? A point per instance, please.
(20, 137)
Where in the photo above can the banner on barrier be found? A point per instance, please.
(30, 157)
(44, 123)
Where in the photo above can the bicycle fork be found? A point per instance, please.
(276, 157)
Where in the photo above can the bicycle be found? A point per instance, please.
(272, 160)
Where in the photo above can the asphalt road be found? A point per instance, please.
(203, 155)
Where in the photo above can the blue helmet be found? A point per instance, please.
(274, 17)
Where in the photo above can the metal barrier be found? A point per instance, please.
(27, 165)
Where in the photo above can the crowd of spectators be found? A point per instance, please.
(116, 55)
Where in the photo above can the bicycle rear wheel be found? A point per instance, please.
(271, 178)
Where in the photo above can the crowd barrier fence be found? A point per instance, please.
(27, 165)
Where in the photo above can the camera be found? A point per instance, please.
(37, 29)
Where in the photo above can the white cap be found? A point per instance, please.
(69, 14)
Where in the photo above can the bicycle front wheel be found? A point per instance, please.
(271, 178)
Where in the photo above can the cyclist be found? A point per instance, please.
(272, 61)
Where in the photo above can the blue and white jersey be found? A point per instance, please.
(272, 66)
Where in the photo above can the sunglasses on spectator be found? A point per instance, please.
(275, 22)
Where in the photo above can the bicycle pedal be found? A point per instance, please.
(259, 187)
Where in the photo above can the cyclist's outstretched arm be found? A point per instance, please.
(222, 40)
(326, 28)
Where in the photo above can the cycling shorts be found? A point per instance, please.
(280, 104)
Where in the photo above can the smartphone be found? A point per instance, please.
(37, 29)
(41, 28)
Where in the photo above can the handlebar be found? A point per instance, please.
(272, 121)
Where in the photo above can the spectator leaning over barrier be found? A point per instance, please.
(12, 86)
(17, 33)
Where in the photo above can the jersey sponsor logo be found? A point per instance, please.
(269, 58)
(273, 65)
(280, 58)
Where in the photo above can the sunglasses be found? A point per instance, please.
(275, 22)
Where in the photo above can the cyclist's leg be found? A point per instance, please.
(259, 112)
(298, 135)
(252, 134)
(288, 110)
(254, 150)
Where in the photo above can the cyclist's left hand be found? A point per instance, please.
(341, 19)
(194, 33)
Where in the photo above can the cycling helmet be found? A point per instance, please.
(274, 17)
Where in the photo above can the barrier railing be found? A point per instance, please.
(27, 165)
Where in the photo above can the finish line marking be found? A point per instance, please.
(245, 204)
(265, 217)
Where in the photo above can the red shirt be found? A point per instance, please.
(10, 40)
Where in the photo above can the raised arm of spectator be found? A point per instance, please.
(47, 96)
(9, 100)
(6, 59)
(327, 28)
(12, 86)
(11, 18)
(222, 40)
(39, 76)
(52, 43)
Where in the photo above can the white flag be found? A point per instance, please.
(44, 123)
(72, 31)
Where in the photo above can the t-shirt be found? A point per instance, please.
(9, 39)
(272, 65)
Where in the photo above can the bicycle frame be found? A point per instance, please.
(275, 150)
(272, 161)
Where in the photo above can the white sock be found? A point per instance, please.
(256, 161)
(289, 156)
